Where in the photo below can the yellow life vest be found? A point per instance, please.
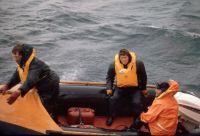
(126, 77)
(23, 73)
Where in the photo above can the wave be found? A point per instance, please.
(192, 17)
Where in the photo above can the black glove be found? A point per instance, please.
(13, 97)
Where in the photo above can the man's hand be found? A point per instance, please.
(109, 92)
(13, 96)
(4, 89)
(145, 93)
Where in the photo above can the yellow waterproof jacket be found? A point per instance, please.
(162, 116)
(126, 77)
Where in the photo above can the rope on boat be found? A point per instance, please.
(93, 83)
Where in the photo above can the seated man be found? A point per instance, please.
(162, 115)
(131, 80)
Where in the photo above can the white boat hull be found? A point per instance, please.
(189, 111)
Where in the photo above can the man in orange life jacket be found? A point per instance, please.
(162, 115)
(32, 72)
(131, 80)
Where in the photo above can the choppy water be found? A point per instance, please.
(79, 38)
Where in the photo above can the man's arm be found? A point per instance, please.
(142, 76)
(110, 77)
(152, 113)
(13, 80)
(32, 78)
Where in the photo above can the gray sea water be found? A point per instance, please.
(79, 38)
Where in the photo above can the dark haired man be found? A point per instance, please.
(32, 72)
(131, 80)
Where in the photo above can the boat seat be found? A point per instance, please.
(82, 96)
(86, 96)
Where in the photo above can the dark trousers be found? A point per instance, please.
(48, 93)
(124, 96)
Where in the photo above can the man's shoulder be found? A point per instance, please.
(112, 65)
(37, 63)
(36, 60)
(139, 61)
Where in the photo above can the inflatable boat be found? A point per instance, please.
(82, 109)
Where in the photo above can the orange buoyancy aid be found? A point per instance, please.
(162, 116)
(126, 77)
(23, 72)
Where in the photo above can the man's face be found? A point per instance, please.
(17, 57)
(124, 59)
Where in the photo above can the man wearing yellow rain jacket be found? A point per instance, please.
(162, 115)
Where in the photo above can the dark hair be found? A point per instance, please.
(124, 52)
(163, 86)
(18, 48)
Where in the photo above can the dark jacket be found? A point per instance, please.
(39, 76)
(141, 75)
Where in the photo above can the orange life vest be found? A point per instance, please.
(23, 72)
(126, 77)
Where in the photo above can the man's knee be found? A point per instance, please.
(114, 97)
